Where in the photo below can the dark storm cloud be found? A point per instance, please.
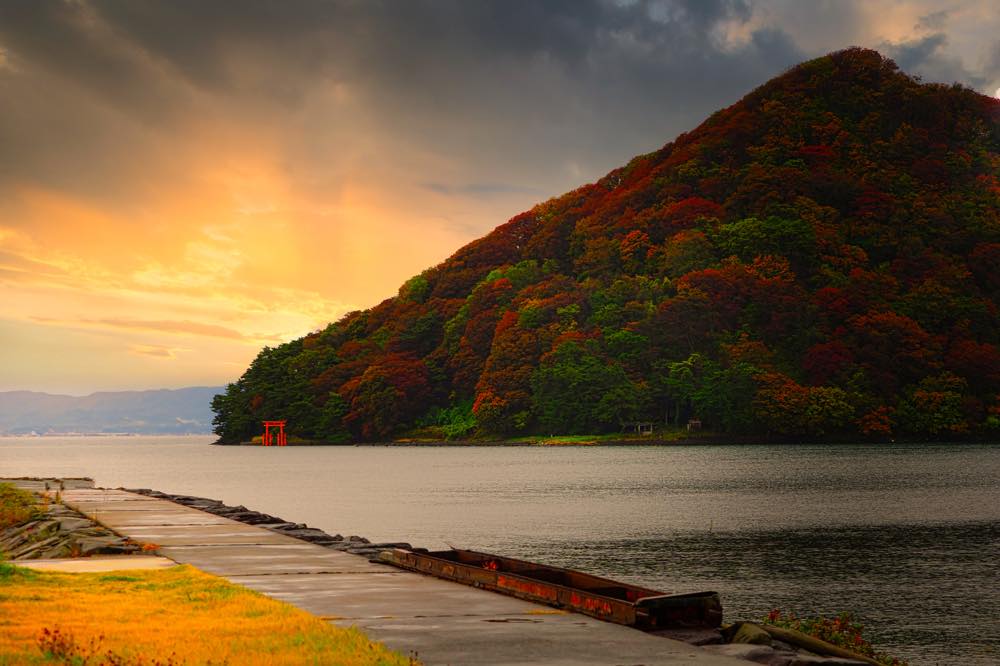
(933, 21)
(993, 64)
(926, 57)
(554, 92)
(79, 102)
(591, 81)
(196, 36)
(69, 41)
(909, 55)
(571, 87)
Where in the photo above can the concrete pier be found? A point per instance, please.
(440, 622)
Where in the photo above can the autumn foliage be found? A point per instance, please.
(818, 260)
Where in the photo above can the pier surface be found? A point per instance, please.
(439, 622)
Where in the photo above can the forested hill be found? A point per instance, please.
(821, 259)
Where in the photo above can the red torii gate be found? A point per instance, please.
(269, 439)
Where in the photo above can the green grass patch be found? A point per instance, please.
(119, 578)
(10, 572)
(844, 631)
(16, 505)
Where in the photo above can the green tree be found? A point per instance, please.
(934, 406)
(574, 390)
(719, 396)
(751, 237)
(416, 289)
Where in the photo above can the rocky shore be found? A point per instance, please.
(353, 544)
(771, 646)
(59, 531)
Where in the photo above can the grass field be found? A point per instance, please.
(165, 617)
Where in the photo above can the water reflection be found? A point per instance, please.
(904, 535)
(927, 591)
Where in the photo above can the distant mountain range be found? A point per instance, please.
(155, 412)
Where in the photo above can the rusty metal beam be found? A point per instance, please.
(605, 599)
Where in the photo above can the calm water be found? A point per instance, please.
(908, 537)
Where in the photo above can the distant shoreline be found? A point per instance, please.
(51, 435)
(708, 439)
(713, 440)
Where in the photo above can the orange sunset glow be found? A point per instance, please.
(181, 186)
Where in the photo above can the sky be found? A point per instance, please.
(184, 182)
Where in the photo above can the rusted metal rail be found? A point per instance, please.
(605, 599)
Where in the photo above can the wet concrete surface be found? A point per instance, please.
(440, 622)
(127, 518)
(197, 535)
(562, 640)
(270, 559)
(352, 596)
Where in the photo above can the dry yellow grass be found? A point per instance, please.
(172, 616)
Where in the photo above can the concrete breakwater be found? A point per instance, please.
(439, 621)
(355, 545)
(745, 641)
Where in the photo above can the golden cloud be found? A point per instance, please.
(155, 351)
